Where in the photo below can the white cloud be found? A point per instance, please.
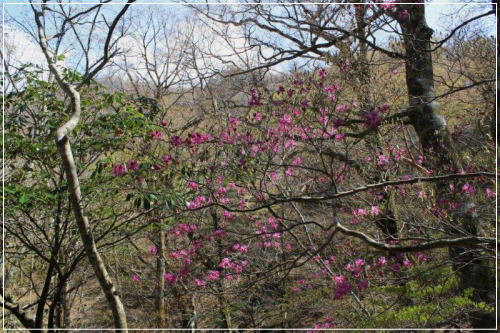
(19, 48)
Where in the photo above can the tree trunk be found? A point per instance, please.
(20, 314)
(40, 311)
(473, 270)
(75, 195)
(59, 310)
(85, 231)
(66, 307)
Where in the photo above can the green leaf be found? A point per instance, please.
(23, 199)
(9, 190)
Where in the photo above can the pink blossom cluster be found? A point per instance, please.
(183, 228)
(197, 202)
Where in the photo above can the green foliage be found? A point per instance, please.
(429, 301)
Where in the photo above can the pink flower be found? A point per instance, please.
(322, 73)
(233, 121)
(382, 159)
(157, 135)
(170, 278)
(219, 233)
(339, 279)
(421, 257)
(185, 271)
(286, 120)
(362, 284)
(176, 140)
(420, 160)
(197, 138)
(406, 263)
(489, 193)
(290, 143)
(395, 72)
(213, 275)
(153, 250)
(254, 98)
(197, 244)
(328, 323)
(344, 66)
(225, 263)
(297, 160)
(183, 227)
(257, 116)
(359, 212)
(199, 282)
(387, 5)
(375, 210)
(193, 185)
(381, 261)
(339, 136)
(164, 123)
(373, 119)
(175, 255)
(133, 165)
(166, 158)
(221, 190)
(341, 290)
(342, 107)
(359, 263)
(198, 202)
(118, 170)
(467, 188)
(332, 88)
(324, 120)
(136, 278)
(227, 215)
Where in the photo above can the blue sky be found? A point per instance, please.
(436, 10)
(440, 16)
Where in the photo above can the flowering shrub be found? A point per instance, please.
(301, 156)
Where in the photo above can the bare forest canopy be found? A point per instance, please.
(249, 165)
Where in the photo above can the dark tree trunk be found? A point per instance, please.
(471, 267)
